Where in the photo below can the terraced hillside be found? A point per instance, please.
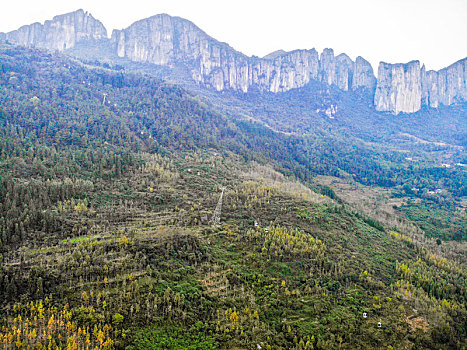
(106, 240)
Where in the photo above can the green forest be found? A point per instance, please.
(109, 182)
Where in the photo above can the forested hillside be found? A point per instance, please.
(109, 181)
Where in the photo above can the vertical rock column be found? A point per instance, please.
(61, 33)
(399, 87)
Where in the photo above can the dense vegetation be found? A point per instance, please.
(106, 240)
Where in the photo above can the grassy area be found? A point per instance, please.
(79, 239)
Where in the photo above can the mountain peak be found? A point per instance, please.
(61, 33)
(163, 39)
(273, 55)
(167, 40)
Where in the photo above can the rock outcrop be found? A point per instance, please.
(166, 40)
(399, 87)
(173, 41)
(61, 33)
(447, 86)
(406, 87)
(275, 54)
(363, 76)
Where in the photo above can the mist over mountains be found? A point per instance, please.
(172, 41)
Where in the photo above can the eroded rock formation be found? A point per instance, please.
(446, 86)
(406, 87)
(399, 87)
(60, 33)
(167, 40)
(172, 41)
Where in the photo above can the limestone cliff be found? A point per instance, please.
(344, 72)
(169, 41)
(446, 86)
(275, 54)
(399, 87)
(60, 33)
(363, 75)
(406, 87)
(166, 40)
(173, 41)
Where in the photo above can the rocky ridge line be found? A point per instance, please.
(169, 41)
(61, 33)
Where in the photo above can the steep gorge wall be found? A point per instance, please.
(60, 33)
(399, 87)
(171, 41)
(406, 87)
(447, 86)
(167, 40)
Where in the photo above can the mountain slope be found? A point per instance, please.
(166, 40)
(169, 41)
(142, 116)
(106, 238)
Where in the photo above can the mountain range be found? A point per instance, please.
(172, 41)
(161, 190)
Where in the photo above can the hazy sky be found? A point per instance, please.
(432, 31)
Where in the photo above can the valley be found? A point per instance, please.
(341, 225)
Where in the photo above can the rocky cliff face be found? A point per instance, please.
(446, 86)
(406, 87)
(399, 87)
(167, 40)
(171, 41)
(363, 76)
(61, 33)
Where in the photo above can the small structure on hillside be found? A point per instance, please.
(216, 216)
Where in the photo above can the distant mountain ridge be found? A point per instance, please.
(406, 87)
(60, 33)
(165, 40)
